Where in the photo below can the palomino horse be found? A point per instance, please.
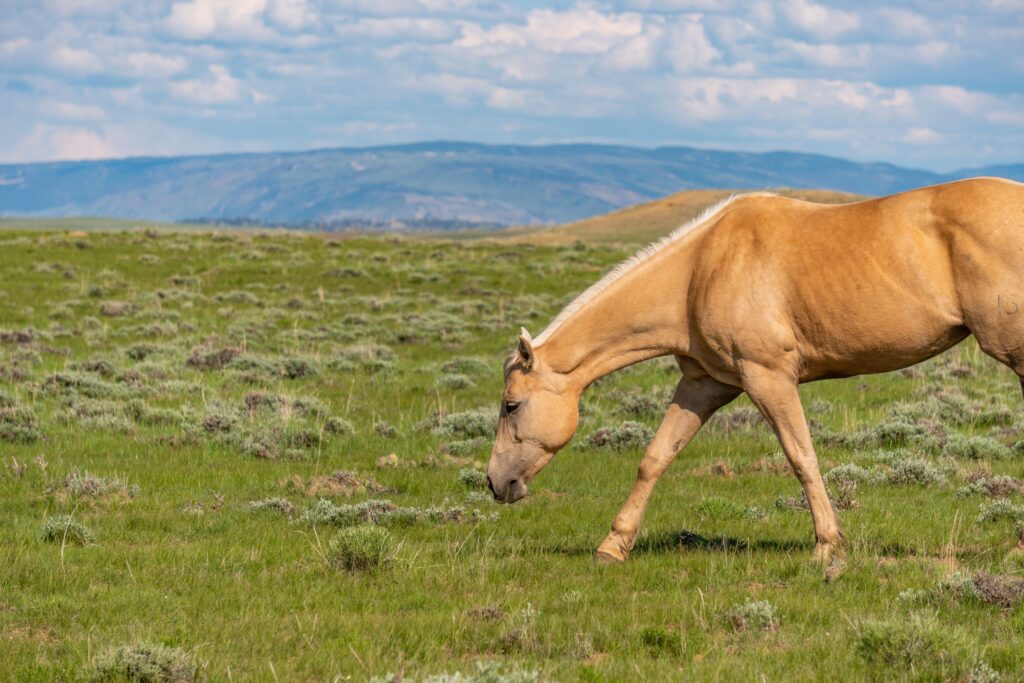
(759, 294)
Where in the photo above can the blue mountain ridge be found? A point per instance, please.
(428, 184)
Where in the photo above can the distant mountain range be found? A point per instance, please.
(427, 185)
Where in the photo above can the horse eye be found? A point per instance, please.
(511, 407)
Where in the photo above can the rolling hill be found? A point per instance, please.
(644, 223)
(425, 185)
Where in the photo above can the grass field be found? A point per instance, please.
(199, 434)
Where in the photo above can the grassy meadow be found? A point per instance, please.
(231, 456)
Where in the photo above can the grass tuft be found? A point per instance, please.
(84, 485)
(759, 615)
(360, 548)
(917, 644)
(144, 663)
(66, 529)
(472, 478)
(999, 510)
(976, 448)
(485, 672)
(629, 436)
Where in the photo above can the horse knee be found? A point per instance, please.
(649, 470)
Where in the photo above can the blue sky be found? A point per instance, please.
(936, 84)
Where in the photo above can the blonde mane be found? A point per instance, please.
(635, 260)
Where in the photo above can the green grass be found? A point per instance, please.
(193, 426)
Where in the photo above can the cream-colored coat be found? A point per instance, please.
(764, 293)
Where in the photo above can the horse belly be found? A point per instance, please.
(878, 329)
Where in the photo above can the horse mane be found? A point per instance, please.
(635, 260)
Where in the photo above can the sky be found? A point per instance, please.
(930, 84)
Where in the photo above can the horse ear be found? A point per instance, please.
(525, 348)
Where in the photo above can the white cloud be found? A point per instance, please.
(955, 97)
(449, 5)
(75, 60)
(220, 88)
(829, 54)
(637, 52)
(51, 141)
(1007, 117)
(197, 19)
(465, 91)
(292, 15)
(10, 47)
(678, 5)
(688, 46)
(934, 51)
(797, 73)
(75, 112)
(786, 99)
(818, 20)
(544, 46)
(154, 65)
(1006, 5)
(392, 28)
(904, 23)
(921, 136)
(47, 142)
(578, 30)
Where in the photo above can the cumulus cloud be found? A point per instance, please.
(828, 54)
(146, 64)
(581, 29)
(911, 83)
(818, 20)
(905, 23)
(77, 112)
(403, 28)
(240, 19)
(75, 60)
(786, 99)
(196, 19)
(464, 90)
(50, 142)
(293, 15)
(688, 45)
(219, 88)
(625, 41)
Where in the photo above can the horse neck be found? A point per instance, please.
(640, 316)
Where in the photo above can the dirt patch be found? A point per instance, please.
(29, 634)
(486, 613)
(445, 460)
(769, 465)
(338, 484)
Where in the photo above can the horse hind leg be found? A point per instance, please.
(1004, 340)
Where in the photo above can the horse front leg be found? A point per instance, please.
(695, 401)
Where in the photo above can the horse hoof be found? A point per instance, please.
(602, 557)
(834, 570)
